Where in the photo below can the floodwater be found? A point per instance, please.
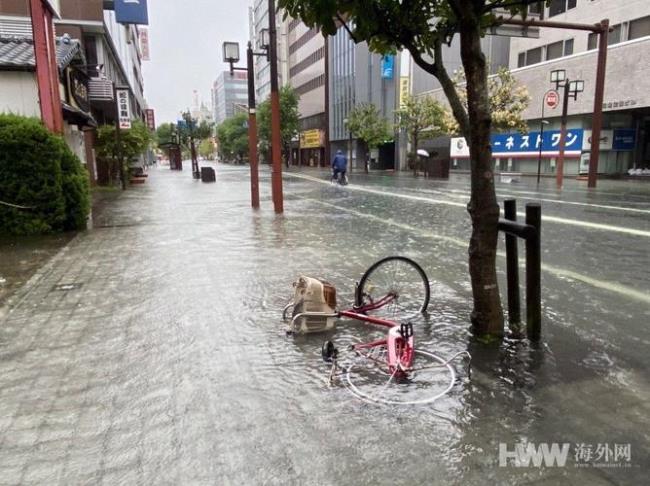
(168, 362)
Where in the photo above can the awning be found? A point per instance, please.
(78, 117)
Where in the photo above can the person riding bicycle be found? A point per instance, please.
(339, 166)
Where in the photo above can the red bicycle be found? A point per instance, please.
(392, 294)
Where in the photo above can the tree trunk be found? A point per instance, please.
(487, 316)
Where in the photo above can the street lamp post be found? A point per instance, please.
(541, 144)
(187, 116)
(571, 90)
(231, 56)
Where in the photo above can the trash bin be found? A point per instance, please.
(208, 174)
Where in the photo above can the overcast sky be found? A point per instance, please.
(186, 38)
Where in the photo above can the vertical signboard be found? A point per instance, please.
(131, 12)
(387, 67)
(144, 44)
(151, 119)
(403, 90)
(123, 108)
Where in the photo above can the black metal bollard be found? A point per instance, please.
(534, 273)
(512, 269)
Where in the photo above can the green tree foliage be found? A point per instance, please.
(232, 136)
(39, 172)
(423, 27)
(164, 134)
(421, 118)
(133, 143)
(367, 124)
(508, 101)
(206, 149)
(289, 117)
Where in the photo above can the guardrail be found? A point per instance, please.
(530, 231)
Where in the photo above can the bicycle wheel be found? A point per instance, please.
(398, 281)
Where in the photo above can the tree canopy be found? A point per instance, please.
(508, 101)
(289, 117)
(232, 136)
(421, 118)
(366, 123)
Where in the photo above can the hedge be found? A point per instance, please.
(39, 172)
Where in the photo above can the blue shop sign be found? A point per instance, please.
(509, 144)
(387, 67)
(131, 12)
(624, 139)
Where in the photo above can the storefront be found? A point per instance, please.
(312, 148)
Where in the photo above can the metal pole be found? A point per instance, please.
(512, 269)
(350, 161)
(534, 273)
(252, 130)
(560, 160)
(276, 172)
(597, 123)
(541, 143)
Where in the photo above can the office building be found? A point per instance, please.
(358, 76)
(229, 95)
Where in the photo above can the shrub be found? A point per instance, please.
(38, 171)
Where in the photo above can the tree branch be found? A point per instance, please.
(345, 26)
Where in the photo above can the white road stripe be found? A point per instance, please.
(551, 219)
(613, 287)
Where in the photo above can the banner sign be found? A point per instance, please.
(123, 108)
(151, 119)
(522, 145)
(131, 12)
(311, 139)
(387, 67)
(78, 88)
(144, 44)
(624, 139)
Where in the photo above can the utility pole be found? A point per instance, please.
(276, 172)
(559, 176)
(597, 119)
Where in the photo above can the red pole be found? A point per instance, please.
(252, 130)
(276, 173)
(559, 176)
(597, 123)
(57, 108)
(43, 77)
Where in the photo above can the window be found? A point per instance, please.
(553, 51)
(613, 38)
(536, 8)
(521, 61)
(560, 6)
(568, 47)
(639, 28)
(534, 56)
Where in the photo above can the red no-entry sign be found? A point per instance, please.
(552, 99)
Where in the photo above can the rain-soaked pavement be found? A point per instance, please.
(150, 350)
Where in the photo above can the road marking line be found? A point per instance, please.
(551, 219)
(613, 287)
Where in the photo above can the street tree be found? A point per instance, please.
(423, 27)
(206, 149)
(132, 144)
(366, 123)
(508, 101)
(421, 118)
(289, 117)
(232, 136)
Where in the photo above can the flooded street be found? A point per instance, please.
(151, 349)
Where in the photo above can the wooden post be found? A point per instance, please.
(534, 273)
